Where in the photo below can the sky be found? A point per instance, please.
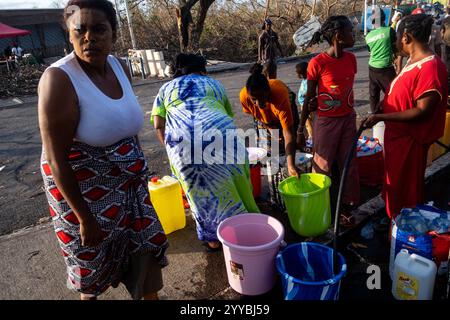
(27, 4)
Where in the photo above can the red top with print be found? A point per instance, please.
(335, 83)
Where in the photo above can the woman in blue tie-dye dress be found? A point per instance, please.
(193, 118)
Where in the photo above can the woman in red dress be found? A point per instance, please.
(414, 113)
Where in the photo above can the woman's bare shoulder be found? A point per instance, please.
(55, 88)
(55, 79)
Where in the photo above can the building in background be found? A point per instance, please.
(47, 39)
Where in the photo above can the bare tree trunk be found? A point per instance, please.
(313, 11)
(184, 20)
(196, 31)
(267, 9)
(190, 32)
(329, 7)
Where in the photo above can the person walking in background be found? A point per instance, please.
(330, 77)
(268, 43)
(218, 189)
(414, 114)
(381, 45)
(94, 171)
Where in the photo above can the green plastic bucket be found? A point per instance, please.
(307, 202)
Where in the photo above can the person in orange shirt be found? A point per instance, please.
(267, 100)
(270, 72)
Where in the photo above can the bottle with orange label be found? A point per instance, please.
(167, 200)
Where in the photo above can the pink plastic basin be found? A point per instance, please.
(251, 242)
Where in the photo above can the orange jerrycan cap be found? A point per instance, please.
(154, 179)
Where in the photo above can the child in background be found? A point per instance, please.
(301, 69)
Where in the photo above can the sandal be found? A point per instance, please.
(211, 249)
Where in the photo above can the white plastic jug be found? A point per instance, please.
(378, 131)
(414, 277)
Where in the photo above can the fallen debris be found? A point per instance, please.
(21, 81)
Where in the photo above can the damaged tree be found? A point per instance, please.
(188, 30)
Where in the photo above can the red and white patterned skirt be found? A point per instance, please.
(113, 182)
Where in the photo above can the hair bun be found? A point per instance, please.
(257, 68)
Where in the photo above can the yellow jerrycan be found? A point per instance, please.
(166, 198)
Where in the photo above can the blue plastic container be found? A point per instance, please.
(306, 271)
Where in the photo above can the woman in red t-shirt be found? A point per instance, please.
(330, 77)
(414, 113)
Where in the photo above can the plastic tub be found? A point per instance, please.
(307, 201)
(306, 271)
(251, 242)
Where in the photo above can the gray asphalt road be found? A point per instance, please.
(22, 200)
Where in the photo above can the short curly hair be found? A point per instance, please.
(103, 5)
(417, 25)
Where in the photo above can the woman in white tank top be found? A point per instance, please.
(94, 171)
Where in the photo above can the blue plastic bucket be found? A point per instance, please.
(306, 271)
